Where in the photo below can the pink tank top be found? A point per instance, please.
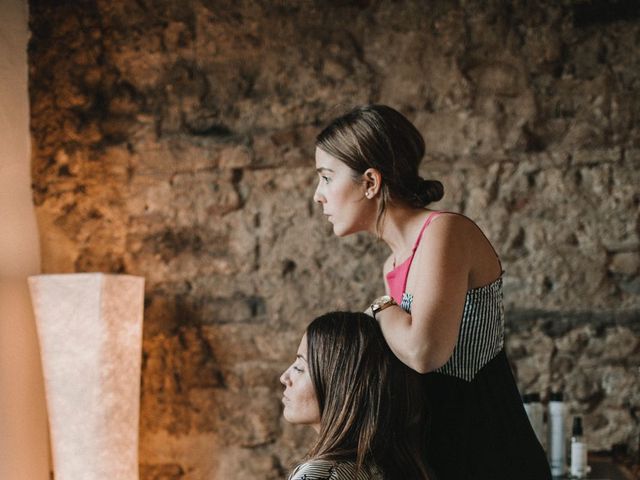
(397, 278)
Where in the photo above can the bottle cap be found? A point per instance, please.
(531, 398)
(576, 431)
(556, 397)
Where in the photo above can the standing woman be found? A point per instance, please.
(443, 313)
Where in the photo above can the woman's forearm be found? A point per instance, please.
(408, 344)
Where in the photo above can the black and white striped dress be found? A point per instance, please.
(481, 335)
(329, 470)
(478, 427)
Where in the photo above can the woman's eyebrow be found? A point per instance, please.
(324, 169)
(301, 356)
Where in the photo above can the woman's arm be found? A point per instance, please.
(425, 339)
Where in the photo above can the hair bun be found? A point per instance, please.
(430, 191)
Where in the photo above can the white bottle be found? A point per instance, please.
(535, 412)
(557, 449)
(579, 466)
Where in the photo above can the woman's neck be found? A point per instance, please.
(400, 228)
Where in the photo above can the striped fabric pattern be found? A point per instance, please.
(405, 304)
(328, 470)
(481, 335)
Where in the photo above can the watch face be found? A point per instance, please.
(380, 302)
(383, 300)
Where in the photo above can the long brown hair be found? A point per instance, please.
(372, 410)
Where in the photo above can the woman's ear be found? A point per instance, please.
(372, 182)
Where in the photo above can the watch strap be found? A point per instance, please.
(381, 303)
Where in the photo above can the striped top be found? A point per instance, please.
(481, 335)
(332, 470)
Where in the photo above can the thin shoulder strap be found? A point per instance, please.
(431, 216)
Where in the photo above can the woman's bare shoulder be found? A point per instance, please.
(447, 230)
(452, 220)
(472, 243)
(451, 224)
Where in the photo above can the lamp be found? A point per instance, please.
(90, 331)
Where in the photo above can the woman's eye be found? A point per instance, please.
(298, 369)
(325, 179)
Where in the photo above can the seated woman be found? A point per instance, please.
(366, 406)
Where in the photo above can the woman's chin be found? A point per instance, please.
(341, 232)
(288, 417)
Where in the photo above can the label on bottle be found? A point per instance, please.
(556, 439)
(578, 459)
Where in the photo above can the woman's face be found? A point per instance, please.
(343, 200)
(299, 396)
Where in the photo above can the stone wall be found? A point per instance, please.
(174, 140)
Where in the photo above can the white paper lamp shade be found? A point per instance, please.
(90, 332)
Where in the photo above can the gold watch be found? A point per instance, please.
(381, 303)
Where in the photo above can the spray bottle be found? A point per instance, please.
(579, 468)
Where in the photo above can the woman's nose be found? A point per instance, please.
(317, 196)
(284, 378)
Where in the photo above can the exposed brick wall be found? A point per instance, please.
(174, 140)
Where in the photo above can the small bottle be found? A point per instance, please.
(535, 412)
(579, 467)
(557, 449)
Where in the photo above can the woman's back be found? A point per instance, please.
(478, 427)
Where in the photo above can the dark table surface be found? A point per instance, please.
(604, 468)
